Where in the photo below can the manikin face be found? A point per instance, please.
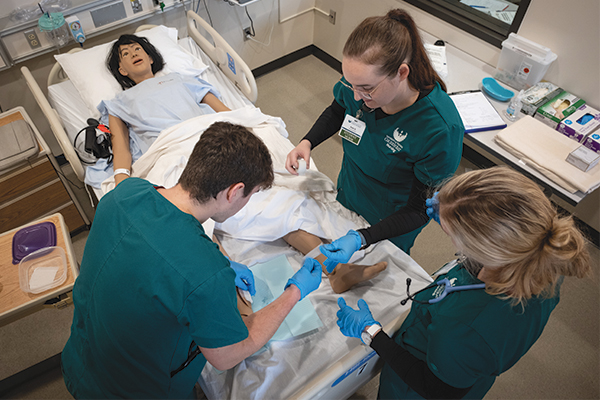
(366, 78)
(134, 62)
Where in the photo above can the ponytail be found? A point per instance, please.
(390, 41)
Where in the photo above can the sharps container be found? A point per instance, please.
(522, 63)
(57, 31)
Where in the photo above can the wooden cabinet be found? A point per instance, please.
(34, 189)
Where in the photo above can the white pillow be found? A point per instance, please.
(94, 82)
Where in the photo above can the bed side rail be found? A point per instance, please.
(223, 55)
(55, 124)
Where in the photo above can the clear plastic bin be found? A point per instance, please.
(523, 63)
(43, 270)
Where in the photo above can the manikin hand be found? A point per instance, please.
(433, 207)
(244, 279)
(353, 322)
(340, 250)
(308, 278)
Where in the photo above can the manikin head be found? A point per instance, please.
(133, 59)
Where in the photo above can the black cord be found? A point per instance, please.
(207, 12)
(70, 181)
(251, 23)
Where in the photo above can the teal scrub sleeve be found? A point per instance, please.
(458, 355)
(211, 312)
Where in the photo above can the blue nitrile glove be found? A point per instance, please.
(308, 278)
(353, 322)
(433, 207)
(244, 279)
(340, 251)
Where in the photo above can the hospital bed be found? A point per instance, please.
(321, 363)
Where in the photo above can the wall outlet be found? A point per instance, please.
(247, 33)
(332, 17)
(32, 39)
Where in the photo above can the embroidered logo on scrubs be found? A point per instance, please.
(400, 135)
(393, 143)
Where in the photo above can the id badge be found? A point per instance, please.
(352, 129)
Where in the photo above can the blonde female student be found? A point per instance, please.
(477, 320)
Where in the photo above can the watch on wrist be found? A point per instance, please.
(368, 334)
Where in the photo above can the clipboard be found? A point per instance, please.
(476, 112)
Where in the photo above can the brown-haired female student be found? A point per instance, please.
(401, 132)
(516, 249)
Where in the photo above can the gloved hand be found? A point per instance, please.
(308, 278)
(353, 322)
(340, 250)
(244, 279)
(433, 207)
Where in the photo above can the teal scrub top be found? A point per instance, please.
(151, 281)
(422, 141)
(468, 338)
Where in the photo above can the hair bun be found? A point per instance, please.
(396, 15)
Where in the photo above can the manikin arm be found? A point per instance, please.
(120, 146)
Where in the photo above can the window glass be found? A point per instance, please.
(490, 20)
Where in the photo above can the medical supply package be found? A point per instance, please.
(538, 95)
(558, 108)
(581, 123)
(583, 158)
(592, 142)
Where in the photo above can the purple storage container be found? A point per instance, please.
(33, 238)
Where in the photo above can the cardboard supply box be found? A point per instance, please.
(592, 142)
(583, 158)
(558, 109)
(582, 122)
(538, 95)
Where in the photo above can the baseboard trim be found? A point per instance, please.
(311, 50)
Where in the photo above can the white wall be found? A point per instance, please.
(570, 28)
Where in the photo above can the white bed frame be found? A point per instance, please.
(221, 53)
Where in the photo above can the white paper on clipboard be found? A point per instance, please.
(476, 112)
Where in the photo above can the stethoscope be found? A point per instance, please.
(448, 288)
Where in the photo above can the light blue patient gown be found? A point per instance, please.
(148, 108)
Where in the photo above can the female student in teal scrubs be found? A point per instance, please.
(517, 250)
(402, 133)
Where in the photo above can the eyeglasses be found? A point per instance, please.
(362, 93)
